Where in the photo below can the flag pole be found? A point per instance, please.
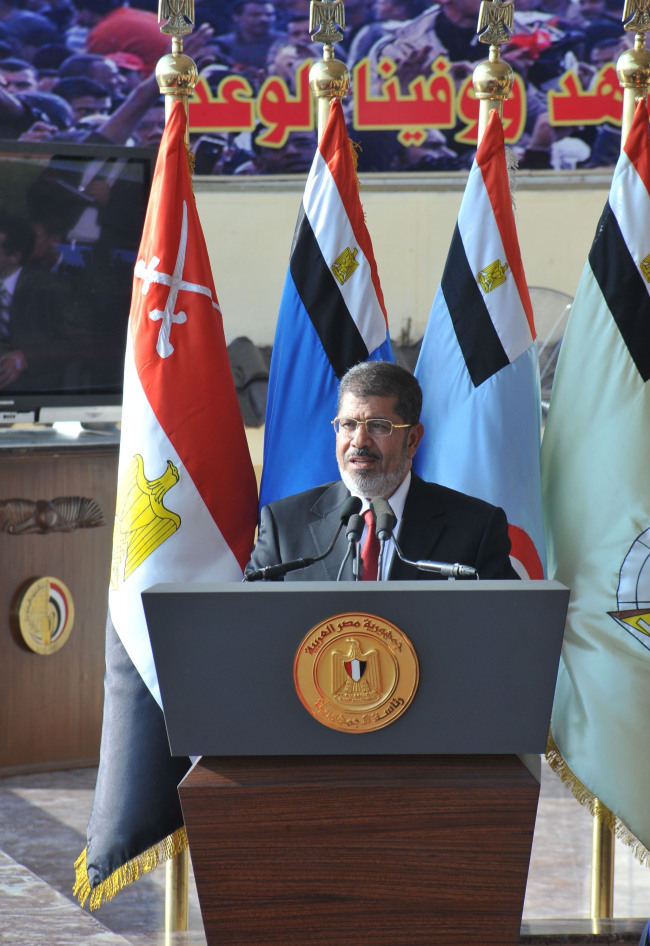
(602, 864)
(176, 75)
(493, 78)
(329, 77)
(633, 66)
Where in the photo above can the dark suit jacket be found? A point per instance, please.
(438, 523)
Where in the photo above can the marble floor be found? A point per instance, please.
(42, 829)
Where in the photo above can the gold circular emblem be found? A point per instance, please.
(45, 615)
(356, 672)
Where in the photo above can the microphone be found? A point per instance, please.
(350, 507)
(386, 521)
(353, 533)
(384, 517)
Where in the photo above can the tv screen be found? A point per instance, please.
(71, 219)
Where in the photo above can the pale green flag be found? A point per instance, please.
(596, 494)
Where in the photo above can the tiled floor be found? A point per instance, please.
(42, 829)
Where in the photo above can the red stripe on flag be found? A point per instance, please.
(522, 548)
(191, 392)
(636, 144)
(335, 149)
(491, 159)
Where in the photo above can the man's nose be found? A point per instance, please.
(361, 435)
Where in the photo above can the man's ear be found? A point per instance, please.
(415, 435)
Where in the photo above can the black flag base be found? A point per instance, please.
(136, 819)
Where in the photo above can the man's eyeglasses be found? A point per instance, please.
(375, 426)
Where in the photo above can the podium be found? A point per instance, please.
(418, 832)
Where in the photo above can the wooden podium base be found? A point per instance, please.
(370, 851)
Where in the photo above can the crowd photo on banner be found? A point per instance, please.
(82, 71)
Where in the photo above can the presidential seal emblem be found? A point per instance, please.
(45, 615)
(356, 672)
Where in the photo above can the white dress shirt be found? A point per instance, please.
(396, 501)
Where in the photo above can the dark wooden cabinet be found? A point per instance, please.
(51, 705)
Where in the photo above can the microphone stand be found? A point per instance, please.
(353, 534)
(272, 572)
(386, 521)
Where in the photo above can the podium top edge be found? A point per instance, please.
(297, 587)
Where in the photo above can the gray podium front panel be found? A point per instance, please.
(488, 654)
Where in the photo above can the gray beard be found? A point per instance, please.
(371, 485)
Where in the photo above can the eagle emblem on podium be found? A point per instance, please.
(356, 676)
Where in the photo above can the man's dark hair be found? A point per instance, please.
(239, 5)
(74, 87)
(384, 379)
(80, 65)
(19, 234)
(17, 65)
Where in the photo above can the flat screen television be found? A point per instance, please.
(74, 215)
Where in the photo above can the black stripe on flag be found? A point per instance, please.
(481, 347)
(623, 289)
(136, 803)
(329, 314)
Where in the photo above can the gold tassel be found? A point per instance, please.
(169, 847)
(355, 148)
(587, 798)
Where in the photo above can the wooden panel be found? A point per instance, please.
(375, 850)
(51, 706)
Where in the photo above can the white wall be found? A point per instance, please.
(249, 227)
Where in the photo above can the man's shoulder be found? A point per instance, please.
(448, 497)
(310, 498)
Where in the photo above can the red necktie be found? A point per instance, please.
(370, 552)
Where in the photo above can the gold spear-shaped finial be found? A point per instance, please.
(633, 66)
(493, 78)
(329, 78)
(176, 72)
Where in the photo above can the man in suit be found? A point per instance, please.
(34, 308)
(378, 432)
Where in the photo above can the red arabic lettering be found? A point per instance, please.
(232, 109)
(282, 112)
(429, 102)
(575, 106)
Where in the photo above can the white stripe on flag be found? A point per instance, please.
(196, 552)
(483, 246)
(331, 225)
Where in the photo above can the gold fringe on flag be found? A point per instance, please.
(169, 847)
(593, 804)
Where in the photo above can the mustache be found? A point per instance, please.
(363, 452)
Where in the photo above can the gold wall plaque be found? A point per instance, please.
(356, 672)
(45, 615)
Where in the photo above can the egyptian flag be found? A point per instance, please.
(332, 316)
(478, 366)
(596, 493)
(186, 511)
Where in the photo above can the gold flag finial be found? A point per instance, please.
(633, 66)
(493, 78)
(176, 73)
(329, 78)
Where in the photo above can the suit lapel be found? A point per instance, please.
(324, 520)
(423, 523)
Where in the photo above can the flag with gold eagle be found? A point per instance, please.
(332, 316)
(478, 365)
(596, 493)
(186, 511)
